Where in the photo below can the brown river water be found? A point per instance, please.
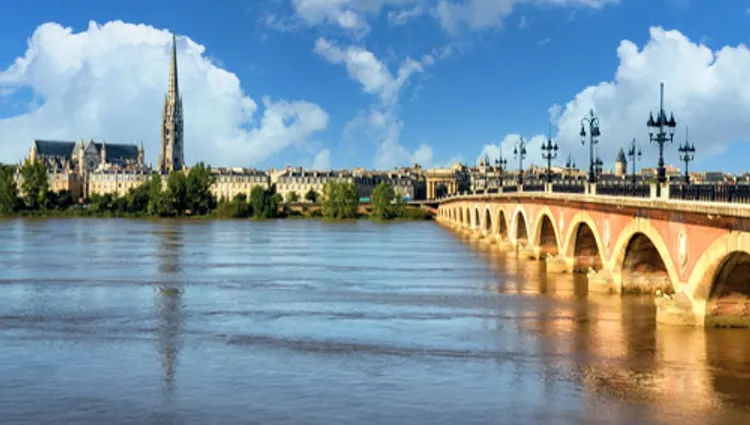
(306, 322)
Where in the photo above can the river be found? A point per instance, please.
(306, 322)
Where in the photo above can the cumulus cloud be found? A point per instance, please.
(109, 81)
(709, 91)
(322, 160)
(381, 122)
(484, 14)
(504, 149)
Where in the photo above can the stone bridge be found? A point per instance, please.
(694, 256)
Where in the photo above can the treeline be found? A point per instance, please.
(190, 195)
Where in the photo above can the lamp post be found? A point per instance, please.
(593, 124)
(549, 152)
(598, 164)
(485, 165)
(570, 164)
(500, 164)
(661, 131)
(687, 154)
(519, 151)
(634, 153)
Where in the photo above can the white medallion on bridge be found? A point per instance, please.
(606, 234)
(682, 248)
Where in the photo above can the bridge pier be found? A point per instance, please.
(558, 264)
(602, 281)
(675, 309)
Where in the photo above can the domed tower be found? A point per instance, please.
(621, 164)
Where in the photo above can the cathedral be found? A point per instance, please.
(171, 155)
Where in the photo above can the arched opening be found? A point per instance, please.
(730, 293)
(460, 216)
(476, 218)
(547, 237)
(643, 269)
(586, 252)
(502, 227)
(522, 235)
(467, 217)
(487, 221)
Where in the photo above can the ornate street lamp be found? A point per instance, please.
(519, 151)
(634, 153)
(661, 131)
(687, 154)
(570, 165)
(500, 164)
(593, 124)
(549, 152)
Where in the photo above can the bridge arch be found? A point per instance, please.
(720, 284)
(487, 222)
(546, 234)
(642, 259)
(460, 216)
(520, 227)
(467, 217)
(502, 223)
(583, 242)
(476, 224)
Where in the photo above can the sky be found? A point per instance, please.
(331, 84)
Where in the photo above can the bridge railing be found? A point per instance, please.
(723, 193)
(624, 189)
(711, 193)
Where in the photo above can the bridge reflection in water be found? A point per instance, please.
(616, 349)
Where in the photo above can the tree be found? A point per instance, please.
(236, 208)
(137, 198)
(35, 184)
(158, 202)
(177, 191)
(264, 203)
(385, 202)
(311, 196)
(8, 191)
(340, 200)
(292, 197)
(199, 199)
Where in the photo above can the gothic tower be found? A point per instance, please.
(171, 155)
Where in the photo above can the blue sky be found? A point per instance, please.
(268, 83)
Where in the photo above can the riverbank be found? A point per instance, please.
(297, 212)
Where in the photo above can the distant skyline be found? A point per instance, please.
(378, 83)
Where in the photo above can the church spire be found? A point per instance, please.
(174, 92)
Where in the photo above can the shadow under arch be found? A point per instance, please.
(477, 223)
(546, 235)
(730, 292)
(583, 243)
(487, 224)
(502, 224)
(521, 228)
(642, 259)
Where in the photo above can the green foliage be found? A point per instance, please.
(415, 213)
(35, 184)
(311, 196)
(176, 193)
(339, 200)
(198, 198)
(236, 208)
(386, 204)
(9, 201)
(59, 200)
(293, 197)
(264, 203)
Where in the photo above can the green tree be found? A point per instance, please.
(386, 203)
(199, 199)
(35, 184)
(177, 191)
(264, 203)
(236, 208)
(311, 196)
(137, 198)
(292, 197)
(8, 191)
(339, 200)
(158, 202)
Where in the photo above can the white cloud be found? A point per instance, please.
(523, 22)
(484, 14)
(423, 155)
(404, 15)
(348, 15)
(322, 160)
(109, 81)
(506, 146)
(381, 122)
(543, 42)
(709, 91)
